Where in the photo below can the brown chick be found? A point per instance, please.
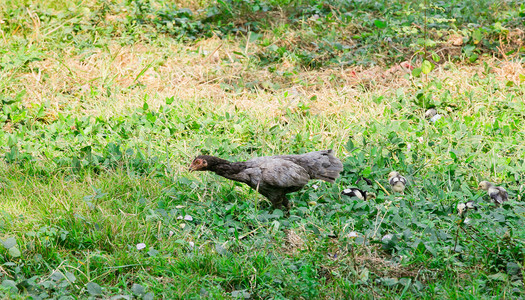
(275, 176)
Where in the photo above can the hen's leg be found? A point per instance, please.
(280, 201)
(286, 203)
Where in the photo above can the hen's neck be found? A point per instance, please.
(217, 165)
(224, 168)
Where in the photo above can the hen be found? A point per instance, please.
(274, 176)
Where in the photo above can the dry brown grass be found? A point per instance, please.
(119, 78)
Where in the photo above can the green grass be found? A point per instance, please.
(103, 106)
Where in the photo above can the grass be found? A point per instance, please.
(105, 104)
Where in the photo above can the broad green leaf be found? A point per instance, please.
(138, 289)
(14, 252)
(70, 277)
(94, 289)
(9, 242)
(416, 72)
(498, 276)
(426, 67)
(152, 252)
(350, 145)
(148, 296)
(10, 284)
(380, 24)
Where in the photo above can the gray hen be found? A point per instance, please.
(274, 176)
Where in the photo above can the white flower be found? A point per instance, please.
(171, 233)
(352, 234)
(409, 146)
(179, 218)
(188, 218)
(192, 244)
(315, 186)
(141, 246)
(420, 139)
(182, 225)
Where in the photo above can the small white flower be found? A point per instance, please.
(182, 225)
(188, 218)
(192, 244)
(171, 233)
(387, 238)
(409, 146)
(352, 234)
(180, 217)
(420, 139)
(315, 186)
(141, 246)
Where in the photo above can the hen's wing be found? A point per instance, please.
(275, 173)
(319, 164)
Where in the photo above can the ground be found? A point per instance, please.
(104, 105)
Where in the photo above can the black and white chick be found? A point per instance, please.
(463, 207)
(497, 194)
(355, 192)
(397, 182)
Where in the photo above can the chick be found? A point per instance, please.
(463, 207)
(496, 193)
(397, 182)
(355, 192)
(471, 205)
(432, 115)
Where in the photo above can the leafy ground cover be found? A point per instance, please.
(104, 104)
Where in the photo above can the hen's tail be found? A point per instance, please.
(319, 164)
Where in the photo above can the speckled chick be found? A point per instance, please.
(397, 182)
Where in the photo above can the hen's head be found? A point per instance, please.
(200, 163)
